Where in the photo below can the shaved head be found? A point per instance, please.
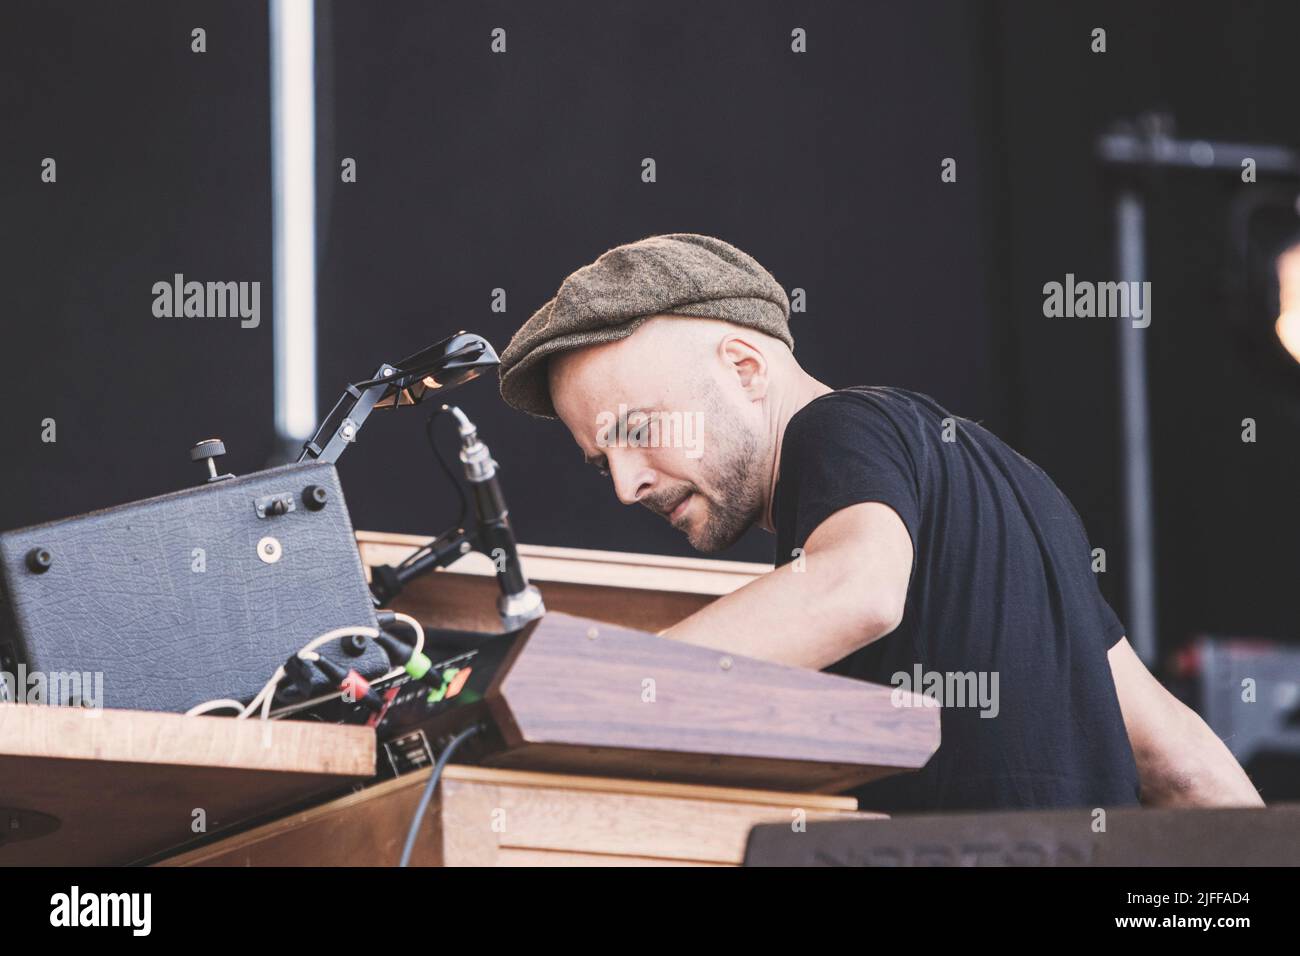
(678, 414)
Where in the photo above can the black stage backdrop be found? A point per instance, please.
(478, 171)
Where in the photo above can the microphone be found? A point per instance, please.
(519, 601)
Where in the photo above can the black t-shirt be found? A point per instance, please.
(1002, 584)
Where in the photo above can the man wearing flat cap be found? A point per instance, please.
(908, 541)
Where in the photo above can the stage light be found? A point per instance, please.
(1264, 231)
(1287, 325)
(439, 368)
(435, 370)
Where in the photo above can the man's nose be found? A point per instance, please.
(632, 478)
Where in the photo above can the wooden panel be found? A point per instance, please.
(469, 603)
(613, 824)
(694, 769)
(579, 696)
(654, 572)
(645, 591)
(651, 788)
(365, 828)
(124, 785)
(497, 817)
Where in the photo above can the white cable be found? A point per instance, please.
(415, 626)
(267, 693)
(419, 641)
(220, 704)
(264, 697)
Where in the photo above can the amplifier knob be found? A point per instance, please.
(209, 450)
(315, 497)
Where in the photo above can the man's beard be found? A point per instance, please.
(731, 470)
(738, 503)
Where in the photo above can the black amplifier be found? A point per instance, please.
(199, 594)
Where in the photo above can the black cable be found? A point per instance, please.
(446, 468)
(455, 483)
(430, 787)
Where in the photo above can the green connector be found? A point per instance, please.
(447, 677)
(418, 665)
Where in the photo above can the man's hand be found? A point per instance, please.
(1180, 761)
(849, 589)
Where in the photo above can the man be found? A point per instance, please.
(908, 541)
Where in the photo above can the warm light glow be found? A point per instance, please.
(1288, 286)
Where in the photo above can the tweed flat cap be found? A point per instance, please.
(680, 273)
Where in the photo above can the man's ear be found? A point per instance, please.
(747, 363)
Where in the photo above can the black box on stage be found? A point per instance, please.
(190, 596)
(1132, 836)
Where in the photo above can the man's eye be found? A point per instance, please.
(640, 432)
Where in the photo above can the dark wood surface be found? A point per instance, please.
(582, 696)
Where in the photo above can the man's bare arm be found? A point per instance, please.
(851, 590)
(1180, 761)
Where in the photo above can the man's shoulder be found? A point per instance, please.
(864, 423)
(865, 404)
(852, 445)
